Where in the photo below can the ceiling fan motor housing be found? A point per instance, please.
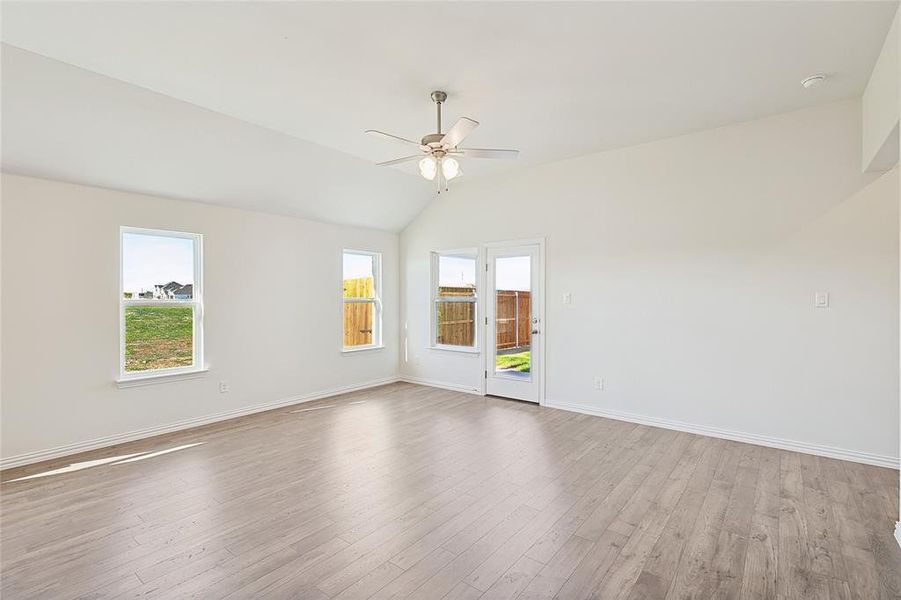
(432, 138)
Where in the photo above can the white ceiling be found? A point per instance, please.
(552, 79)
(62, 122)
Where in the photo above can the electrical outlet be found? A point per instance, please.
(821, 299)
(599, 383)
(224, 387)
(568, 298)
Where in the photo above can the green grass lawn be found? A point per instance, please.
(521, 361)
(158, 337)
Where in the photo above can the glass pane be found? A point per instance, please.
(358, 320)
(158, 337)
(156, 267)
(359, 275)
(513, 315)
(456, 276)
(456, 323)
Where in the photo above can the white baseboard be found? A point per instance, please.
(440, 384)
(827, 451)
(878, 460)
(120, 438)
(898, 532)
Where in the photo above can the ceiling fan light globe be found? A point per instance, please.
(428, 168)
(450, 168)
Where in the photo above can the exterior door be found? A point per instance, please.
(513, 354)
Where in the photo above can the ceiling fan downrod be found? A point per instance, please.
(438, 97)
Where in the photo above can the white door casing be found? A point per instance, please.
(513, 269)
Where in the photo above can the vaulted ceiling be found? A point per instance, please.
(262, 105)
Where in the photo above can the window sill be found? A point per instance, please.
(361, 349)
(462, 349)
(141, 380)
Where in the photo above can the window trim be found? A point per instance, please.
(170, 374)
(475, 255)
(376, 301)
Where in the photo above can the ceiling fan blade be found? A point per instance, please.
(458, 132)
(394, 138)
(398, 160)
(486, 153)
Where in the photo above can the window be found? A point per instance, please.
(454, 300)
(160, 298)
(362, 300)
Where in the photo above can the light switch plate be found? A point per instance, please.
(821, 299)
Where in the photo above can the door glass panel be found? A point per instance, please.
(513, 316)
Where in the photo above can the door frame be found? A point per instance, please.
(542, 309)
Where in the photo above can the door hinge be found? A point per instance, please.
(486, 267)
(486, 373)
(486, 320)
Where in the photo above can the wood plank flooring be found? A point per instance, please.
(405, 491)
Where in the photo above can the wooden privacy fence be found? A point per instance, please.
(358, 315)
(513, 319)
(456, 320)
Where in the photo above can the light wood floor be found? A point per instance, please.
(411, 492)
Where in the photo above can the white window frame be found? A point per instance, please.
(376, 301)
(434, 299)
(196, 302)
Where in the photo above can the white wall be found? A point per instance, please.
(880, 111)
(897, 40)
(693, 263)
(272, 312)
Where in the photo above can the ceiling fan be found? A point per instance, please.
(437, 150)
